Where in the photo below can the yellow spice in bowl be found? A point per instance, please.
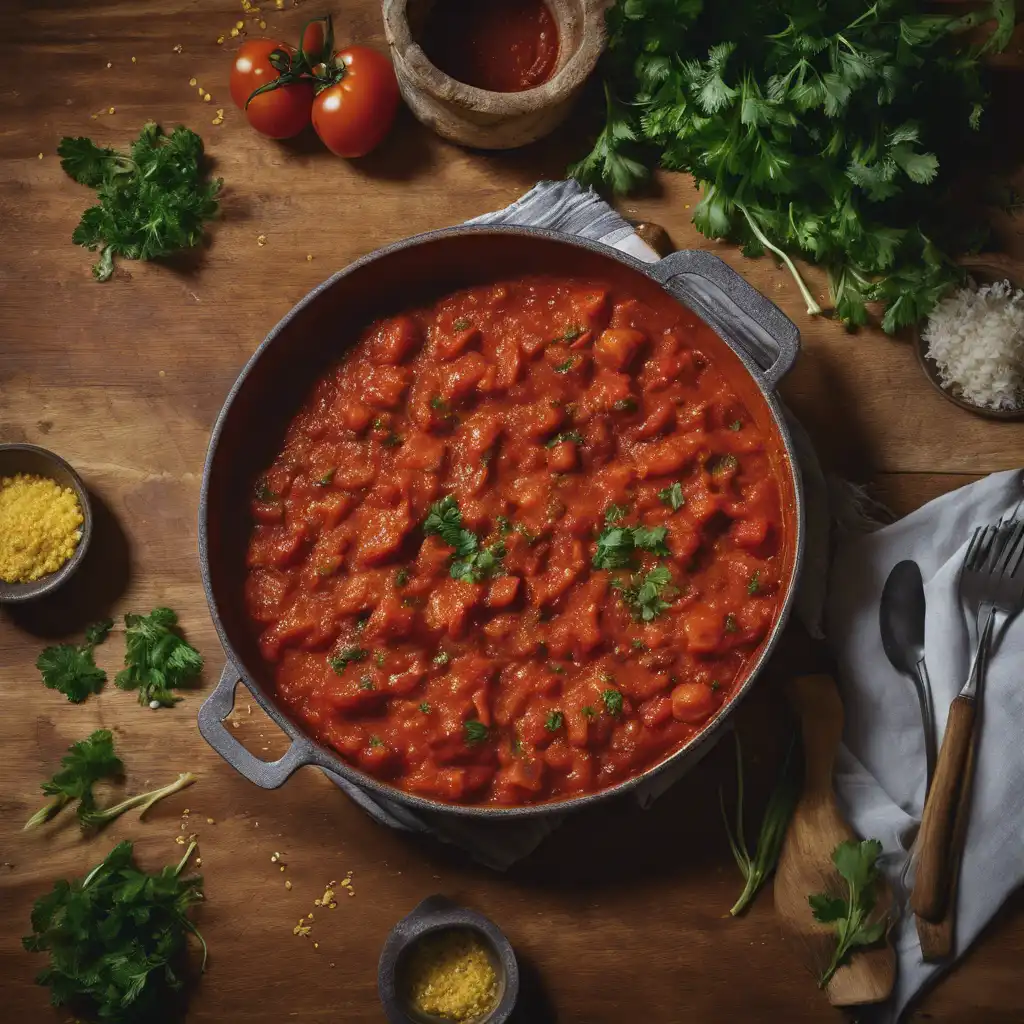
(40, 527)
(451, 976)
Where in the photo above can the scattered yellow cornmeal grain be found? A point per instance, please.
(220, 39)
(309, 257)
(135, 60)
(287, 884)
(40, 527)
(261, 240)
(111, 110)
(109, 65)
(178, 48)
(239, 24)
(207, 97)
(451, 976)
(192, 82)
(40, 156)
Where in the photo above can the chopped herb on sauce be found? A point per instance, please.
(462, 324)
(346, 656)
(425, 708)
(566, 435)
(571, 333)
(588, 711)
(392, 441)
(645, 597)
(379, 657)
(554, 721)
(612, 702)
(441, 659)
(325, 480)
(366, 683)
(613, 513)
(439, 404)
(401, 577)
(625, 405)
(754, 584)
(736, 425)
(566, 366)
(376, 741)
(723, 464)
(264, 493)
(673, 496)
(476, 731)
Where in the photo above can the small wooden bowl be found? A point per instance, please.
(35, 461)
(439, 914)
(494, 120)
(983, 272)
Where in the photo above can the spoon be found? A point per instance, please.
(901, 620)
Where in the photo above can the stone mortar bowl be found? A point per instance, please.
(494, 120)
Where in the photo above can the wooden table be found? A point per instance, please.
(621, 915)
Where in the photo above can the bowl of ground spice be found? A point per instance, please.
(446, 964)
(45, 521)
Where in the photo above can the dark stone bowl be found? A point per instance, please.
(36, 461)
(438, 914)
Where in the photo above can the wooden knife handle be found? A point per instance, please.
(934, 840)
(937, 940)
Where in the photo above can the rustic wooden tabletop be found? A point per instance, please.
(621, 915)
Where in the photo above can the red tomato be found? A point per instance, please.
(252, 68)
(279, 113)
(353, 115)
(313, 40)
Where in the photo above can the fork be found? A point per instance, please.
(991, 586)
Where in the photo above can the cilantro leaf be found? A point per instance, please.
(475, 731)
(554, 721)
(673, 496)
(117, 940)
(566, 435)
(478, 566)
(612, 702)
(85, 763)
(70, 668)
(645, 597)
(470, 563)
(651, 539)
(851, 917)
(153, 201)
(616, 545)
(157, 658)
(346, 656)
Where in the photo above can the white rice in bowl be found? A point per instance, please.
(976, 339)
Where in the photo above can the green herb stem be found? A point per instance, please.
(813, 309)
(98, 818)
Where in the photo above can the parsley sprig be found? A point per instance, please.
(71, 669)
(828, 131)
(616, 545)
(157, 658)
(853, 917)
(471, 562)
(153, 200)
(117, 939)
(645, 596)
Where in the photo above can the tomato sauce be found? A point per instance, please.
(519, 545)
(499, 45)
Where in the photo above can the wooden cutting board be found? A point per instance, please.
(805, 865)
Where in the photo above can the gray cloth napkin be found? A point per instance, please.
(565, 207)
(881, 769)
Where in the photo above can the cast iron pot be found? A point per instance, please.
(759, 346)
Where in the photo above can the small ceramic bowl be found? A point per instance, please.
(35, 461)
(982, 272)
(439, 914)
(480, 118)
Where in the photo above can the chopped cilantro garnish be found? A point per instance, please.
(638, 645)
(401, 577)
(392, 440)
(566, 366)
(554, 722)
(462, 324)
(736, 425)
(723, 464)
(613, 513)
(366, 683)
(612, 702)
(438, 403)
(673, 496)
(376, 741)
(379, 657)
(470, 563)
(441, 659)
(645, 597)
(566, 435)
(476, 731)
(754, 584)
(425, 708)
(617, 544)
(625, 405)
(340, 661)
(326, 479)
(715, 685)
(264, 493)
(588, 711)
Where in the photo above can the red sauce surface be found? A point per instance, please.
(500, 45)
(545, 407)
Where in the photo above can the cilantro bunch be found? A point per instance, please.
(829, 131)
(153, 200)
(71, 668)
(156, 657)
(117, 939)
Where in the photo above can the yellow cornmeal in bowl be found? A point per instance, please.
(451, 976)
(40, 527)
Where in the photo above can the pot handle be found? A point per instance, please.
(265, 774)
(734, 308)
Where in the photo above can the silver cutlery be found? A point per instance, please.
(992, 590)
(901, 621)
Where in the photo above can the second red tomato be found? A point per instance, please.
(353, 115)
